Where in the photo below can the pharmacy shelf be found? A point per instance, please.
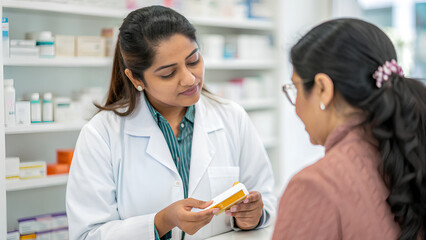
(234, 64)
(237, 64)
(65, 8)
(255, 24)
(49, 181)
(44, 128)
(255, 104)
(59, 62)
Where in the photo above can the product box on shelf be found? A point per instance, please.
(110, 35)
(12, 168)
(65, 46)
(57, 168)
(5, 36)
(212, 46)
(29, 170)
(13, 235)
(46, 226)
(90, 46)
(23, 112)
(23, 48)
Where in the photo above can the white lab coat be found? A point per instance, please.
(122, 172)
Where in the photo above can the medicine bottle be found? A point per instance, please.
(9, 103)
(35, 108)
(47, 107)
(45, 43)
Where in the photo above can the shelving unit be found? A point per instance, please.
(91, 68)
(255, 104)
(113, 13)
(45, 128)
(106, 62)
(49, 181)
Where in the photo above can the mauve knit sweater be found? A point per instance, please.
(342, 196)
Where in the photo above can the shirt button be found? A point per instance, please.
(182, 125)
(177, 183)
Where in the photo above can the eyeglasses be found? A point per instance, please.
(291, 92)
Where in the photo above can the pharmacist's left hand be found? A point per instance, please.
(247, 213)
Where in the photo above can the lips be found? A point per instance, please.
(191, 91)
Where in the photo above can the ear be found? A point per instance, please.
(135, 82)
(326, 88)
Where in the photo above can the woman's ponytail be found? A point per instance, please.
(397, 116)
(121, 94)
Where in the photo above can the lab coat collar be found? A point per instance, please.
(141, 124)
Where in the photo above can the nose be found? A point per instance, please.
(188, 78)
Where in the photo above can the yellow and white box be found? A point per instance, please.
(234, 195)
(12, 168)
(28, 170)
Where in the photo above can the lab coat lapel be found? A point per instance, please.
(141, 124)
(159, 150)
(203, 149)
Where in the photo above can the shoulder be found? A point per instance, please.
(104, 124)
(318, 179)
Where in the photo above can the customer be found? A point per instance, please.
(354, 99)
(161, 145)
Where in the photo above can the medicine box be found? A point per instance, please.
(28, 225)
(13, 235)
(234, 195)
(65, 46)
(28, 170)
(90, 46)
(23, 112)
(12, 168)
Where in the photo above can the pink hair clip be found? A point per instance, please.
(384, 72)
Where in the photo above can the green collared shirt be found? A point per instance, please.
(180, 147)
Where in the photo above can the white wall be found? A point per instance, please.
(296, 18)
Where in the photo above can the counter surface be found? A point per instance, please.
(264, 233)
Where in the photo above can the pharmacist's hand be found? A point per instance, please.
(247, 213)
(179, 215)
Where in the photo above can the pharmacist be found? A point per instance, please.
(162, 146)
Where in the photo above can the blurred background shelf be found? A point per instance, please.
(52, 180)
(234, 64)
(44, 128)
(64, 8)
(59, 62)
(255, 24)
(254, 104)
(239, 64)
(233, 23)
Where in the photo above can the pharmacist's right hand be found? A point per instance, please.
(179, 215)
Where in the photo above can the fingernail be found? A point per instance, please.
(233, 209)
(216, 210)
(227, 212)
(246, 200)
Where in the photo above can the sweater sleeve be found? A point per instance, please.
(306, 211)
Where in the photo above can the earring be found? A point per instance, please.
(140, 88)
(322, 106)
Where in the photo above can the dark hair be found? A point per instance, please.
(141, 32)
(349, 51)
